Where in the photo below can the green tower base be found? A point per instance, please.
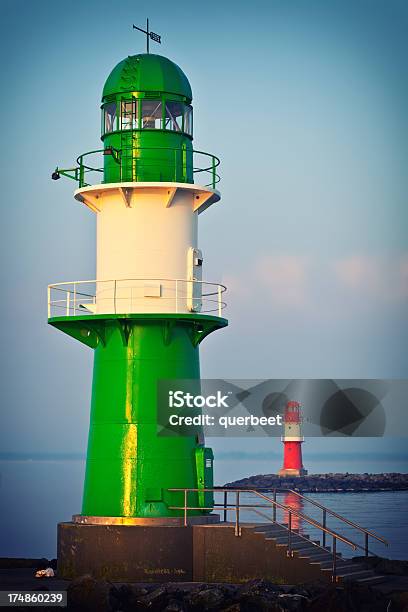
(130, 469)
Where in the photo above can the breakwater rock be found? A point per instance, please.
(88, 595)
(330, 482)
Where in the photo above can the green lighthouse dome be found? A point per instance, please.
(147, 121)
(147, 72)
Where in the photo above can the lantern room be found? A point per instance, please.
(147, 122)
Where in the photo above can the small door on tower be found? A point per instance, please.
(205, 477)
(194, 276)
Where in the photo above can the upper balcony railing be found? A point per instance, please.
(165, 164)
(142, 295)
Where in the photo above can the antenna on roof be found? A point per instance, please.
(149, 35)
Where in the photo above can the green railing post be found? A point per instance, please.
(131, 167)
(81, 172)
(184, 162)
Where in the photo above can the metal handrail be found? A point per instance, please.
(81, 169)
(273, 502)
(339, 516)
(326, 510)
(336, 536)
(321, 526)
(210, 295)
(111, 280)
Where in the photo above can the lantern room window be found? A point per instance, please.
(110, 117)
(141, 113)
(188, 119)
(173, 118)
(129, 115)
(151, 114)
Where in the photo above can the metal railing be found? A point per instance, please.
(273, 504)
(119, 296)
(325, 511)
(172, 167)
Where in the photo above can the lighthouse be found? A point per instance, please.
(149, 307)
(292, 441)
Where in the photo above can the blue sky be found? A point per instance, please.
(305, 104)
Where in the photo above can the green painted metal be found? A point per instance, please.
(147, 136)
(129, 467)
(147, 72)
(146, 128)
(151, 153)
(206, 169)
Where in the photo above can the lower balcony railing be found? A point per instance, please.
(141, 295)
(168, 164)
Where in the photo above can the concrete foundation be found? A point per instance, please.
(202, 553)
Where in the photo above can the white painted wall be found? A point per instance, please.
(292, 432)
(145, 233)
(145, 240)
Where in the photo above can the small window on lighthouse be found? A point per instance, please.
(110, 117)
(152, 114)
(188, 119)
(129, 115)
(173, 119)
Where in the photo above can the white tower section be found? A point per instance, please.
(292, 432)
(148, 259)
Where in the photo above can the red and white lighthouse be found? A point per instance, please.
(292, 441)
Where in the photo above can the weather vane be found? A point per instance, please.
(155, 37)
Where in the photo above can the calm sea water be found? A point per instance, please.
(36, 495)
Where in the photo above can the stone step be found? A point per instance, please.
(265, 531)
(322, 549)
(328, 563)
(265, 526)
(286, 525)
(279, 531)
(306, 546)
(298, 547)
(317, 552)
(276, 531)
(352, 575)
(273, 529)
(314, 554)
(283, 539)
(317, 560)
(376, 579)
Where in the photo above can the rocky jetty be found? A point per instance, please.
(329, 483)
(87, 594)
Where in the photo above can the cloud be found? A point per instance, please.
(382, 278)
(403, 276)
(284, 277)
(317, 289)
(357, 272)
